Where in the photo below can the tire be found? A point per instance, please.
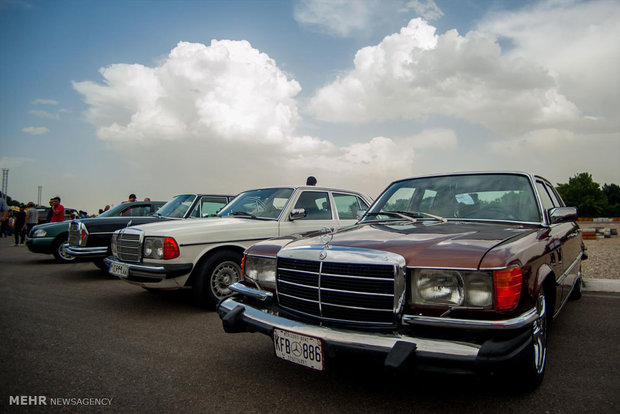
(59, 250)
(533, 368)
(214, 276)
(577, 289)
(101, 265)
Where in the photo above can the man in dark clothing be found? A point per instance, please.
(19, 225)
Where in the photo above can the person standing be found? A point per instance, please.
(4, 218)
(32, 217)
(19, 226)
(58, 210)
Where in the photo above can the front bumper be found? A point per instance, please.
(425, 343)
(43, 245)
(94, 252)
(153, 275)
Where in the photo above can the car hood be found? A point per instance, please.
(219, 229)
(53, 228)
(109, 224)
(426, 244)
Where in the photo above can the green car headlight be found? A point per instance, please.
(39, 233)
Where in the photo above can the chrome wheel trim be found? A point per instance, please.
(63, 254)
(225, 274)
(539, 336)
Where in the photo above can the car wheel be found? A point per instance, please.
(59, 250)
(533, 369)
(577, 289)
(101, 265)
(214, 277)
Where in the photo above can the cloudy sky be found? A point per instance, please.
(99, 99)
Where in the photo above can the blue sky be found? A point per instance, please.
(99, 99)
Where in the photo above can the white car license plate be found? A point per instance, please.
(119, 270)
(300, 349)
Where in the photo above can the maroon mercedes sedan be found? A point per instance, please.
(458, 272)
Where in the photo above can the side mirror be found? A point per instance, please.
(297, 213)
(360, 214)
(562, 214)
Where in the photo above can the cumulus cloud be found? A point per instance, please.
(223, 113)
(416, 73)
(577, 42)
(41, 101)
(352, 17)
(36, 130)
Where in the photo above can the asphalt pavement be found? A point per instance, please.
(90, 343)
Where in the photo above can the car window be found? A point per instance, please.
(557, 201)
(262, 203)
(545, 198)
(347, 206)
(316, 204)
(362, 203)
(137, 210)
(476, 196)
(178, 206)
(208, 206)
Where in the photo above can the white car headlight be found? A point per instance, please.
(261, 271)
(113, 245)
(39, 233)
(160, 248)
(451, 288)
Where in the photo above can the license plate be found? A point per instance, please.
(119, 270)
(300, 349)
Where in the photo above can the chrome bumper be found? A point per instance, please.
(145, 273)
(506, 340)
(86, 251)
(350, 339)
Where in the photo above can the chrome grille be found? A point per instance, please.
(333, 291)
(129, 247)
(74, 234)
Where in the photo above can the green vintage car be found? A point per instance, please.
(49, 238)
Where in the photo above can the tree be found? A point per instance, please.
(585, 194)
(612, 193)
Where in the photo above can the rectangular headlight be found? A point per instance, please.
(452, 288)
(113, 244)
(261, 271)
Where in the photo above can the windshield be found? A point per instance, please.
(475, 196)
(177, 207)
(265, 203)
(114, 211)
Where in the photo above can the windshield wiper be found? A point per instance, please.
(421, 214)
(407, 215)
(242, 213)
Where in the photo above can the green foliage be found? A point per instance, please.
(585, 194)
(612, 193)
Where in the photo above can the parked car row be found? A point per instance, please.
(457, 272)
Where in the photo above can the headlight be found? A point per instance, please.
(160, 248)
(261, 271)
(113, 245)
(39, 233)
(451, 288)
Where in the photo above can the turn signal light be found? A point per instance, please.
(243, 267)
(171, 248)
(507, 287)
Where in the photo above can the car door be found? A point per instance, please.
(562, 242)
(347, 206)
(319, 213)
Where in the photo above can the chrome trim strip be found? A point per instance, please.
(354, 292)
(85, 251)
(568, 271)
(374, 341)
(467, 269)
(517, 322)
(286, 282)
(242, 289)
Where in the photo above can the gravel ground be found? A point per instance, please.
(603, 259)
